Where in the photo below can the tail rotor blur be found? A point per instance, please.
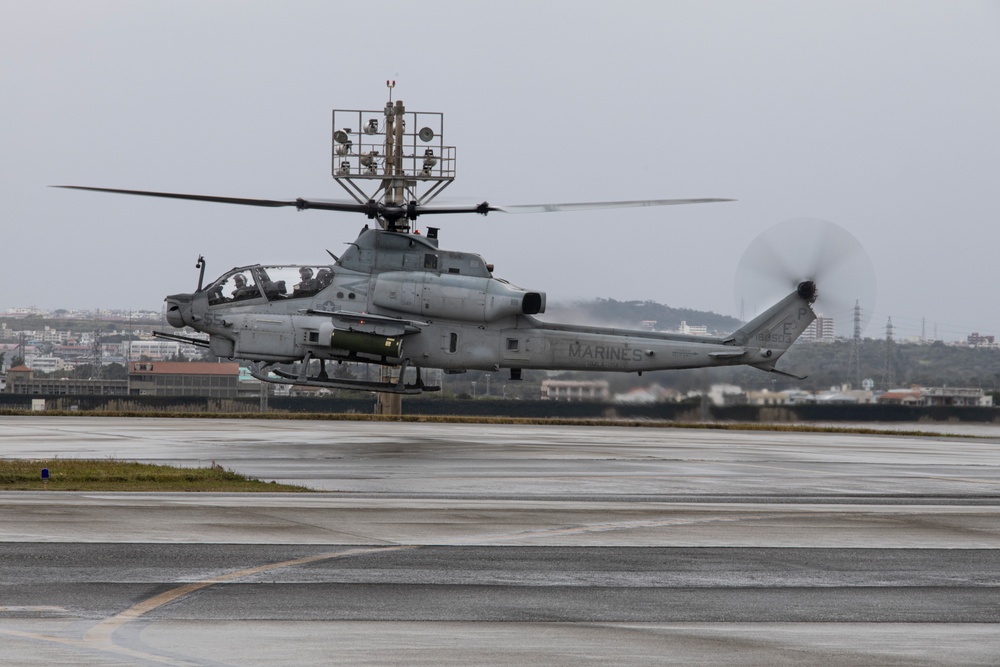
(808, 249)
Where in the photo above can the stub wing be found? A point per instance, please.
(409, 326)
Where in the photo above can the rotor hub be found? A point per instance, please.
(807, 290)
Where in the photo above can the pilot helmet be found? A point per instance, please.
(240, 280)
(306, 273)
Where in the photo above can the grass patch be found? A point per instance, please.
(114, 475)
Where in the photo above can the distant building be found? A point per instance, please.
(153, 349)
(692, 329)
(30, 311)
(768, 397)
(575, 390)
(646, 395)
(845, 395)
(975, 340)
(726, 394)
(184, 378)
(22, 380)
(900, 397)
(11, 350)
(50, 335)
(819, 330)
(145, 378)
(917, 395)
(44, 364)
(722, 394)
(967, 396)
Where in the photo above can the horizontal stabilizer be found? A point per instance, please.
(785, 373)
(739, 352)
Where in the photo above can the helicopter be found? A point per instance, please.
(397, 300)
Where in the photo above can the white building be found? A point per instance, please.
(768, 397)
(44, 364)
(157, 350)
(575, 390)
(819, 331)
(692, 330)
(654, 393)
(55, 336)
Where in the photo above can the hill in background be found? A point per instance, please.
(631, 314)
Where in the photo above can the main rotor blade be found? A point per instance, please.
(300, 204)
(596, 205)
(486, 207)
(397, 211)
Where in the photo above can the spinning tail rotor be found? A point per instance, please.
(808, 250)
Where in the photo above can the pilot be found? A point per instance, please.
(273, 289)
(324, 278)
(307, 284)
(243, 291)
(241, 284)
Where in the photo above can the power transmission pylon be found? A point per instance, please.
(97, 365)
(888, 373)
(854, 365)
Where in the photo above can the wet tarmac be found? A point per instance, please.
(486, 544)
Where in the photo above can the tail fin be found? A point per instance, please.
(770, 334)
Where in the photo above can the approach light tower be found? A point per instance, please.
(389, 155)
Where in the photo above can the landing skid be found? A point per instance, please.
(266, 374)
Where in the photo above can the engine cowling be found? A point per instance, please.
(451, 296)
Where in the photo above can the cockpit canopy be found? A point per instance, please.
(271, 283)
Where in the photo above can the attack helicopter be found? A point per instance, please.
(397, 300)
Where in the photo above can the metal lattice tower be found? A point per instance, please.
(97, 365)
(888, 373)
(392, 156)
(854, 366)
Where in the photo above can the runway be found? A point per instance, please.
(484, 544)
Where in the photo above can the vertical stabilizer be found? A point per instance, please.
(769, 335)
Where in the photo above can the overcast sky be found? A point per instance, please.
(879, 116)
